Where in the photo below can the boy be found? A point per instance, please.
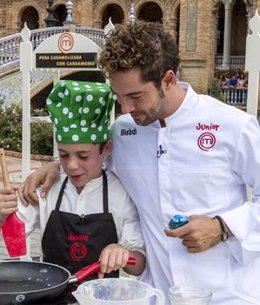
(87, 215)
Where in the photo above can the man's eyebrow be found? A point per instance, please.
(130, 93)
(135, 93)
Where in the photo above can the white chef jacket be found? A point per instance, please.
(89, 201)
(199, 164)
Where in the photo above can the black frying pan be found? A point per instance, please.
(25, 282)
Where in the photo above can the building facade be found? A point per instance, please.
(211, 34)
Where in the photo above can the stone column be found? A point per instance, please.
(173, 25)
(249, 15)
(227, 34)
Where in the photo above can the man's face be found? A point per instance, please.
(81, 162)
(142, 100)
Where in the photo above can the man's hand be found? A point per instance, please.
(8, 202)
(112, 258)
(200, 234)
(44, 176)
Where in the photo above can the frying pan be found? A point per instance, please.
(23, 282)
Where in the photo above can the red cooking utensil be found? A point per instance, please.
(13, 229)
(84, 273)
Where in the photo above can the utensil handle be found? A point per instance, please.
(85, 272)
(4, 168)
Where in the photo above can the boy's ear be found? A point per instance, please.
(107, 148)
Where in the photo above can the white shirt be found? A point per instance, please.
(207, 154)
(89, 201)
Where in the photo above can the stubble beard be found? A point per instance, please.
(153, 114)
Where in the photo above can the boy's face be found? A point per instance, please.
(82, 162)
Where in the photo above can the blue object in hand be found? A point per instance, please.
(177, 221)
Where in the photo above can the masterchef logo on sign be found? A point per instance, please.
(65, 42)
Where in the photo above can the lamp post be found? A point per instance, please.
(69, 7)
(50, 20)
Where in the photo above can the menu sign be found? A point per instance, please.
(69, 60)
(66, 51)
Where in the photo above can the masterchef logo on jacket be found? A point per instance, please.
(207, 139)
(128, 132)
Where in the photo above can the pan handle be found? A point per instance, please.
(87, 271)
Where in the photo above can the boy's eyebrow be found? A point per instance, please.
(77, 152)
(60, 149)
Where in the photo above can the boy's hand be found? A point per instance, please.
(8, 202)
(112, 258)
(45, 177)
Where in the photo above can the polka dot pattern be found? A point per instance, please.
(65, 110)
(80, 111)
(75, 138)
(78, 98)
(90, 97)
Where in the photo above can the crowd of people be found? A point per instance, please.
(233, 80)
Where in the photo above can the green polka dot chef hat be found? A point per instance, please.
(81, 111)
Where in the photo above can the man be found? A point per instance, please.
(87, 215)
(177, 152)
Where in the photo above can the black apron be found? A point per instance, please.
(75, 241)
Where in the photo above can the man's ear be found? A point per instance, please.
(168, 79)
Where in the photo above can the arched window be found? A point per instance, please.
(31, 17)
(114, 12)
(220, 28)
(150, 11)
(60, 14)
(239, 28)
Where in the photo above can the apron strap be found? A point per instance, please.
(61, 194)
(105, 192)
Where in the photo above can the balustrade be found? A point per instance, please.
(235, 61)
(234, 96)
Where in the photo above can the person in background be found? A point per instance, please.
(179, 152)
(233, 82)
(242, 81)
(222, 82)
(87, 215)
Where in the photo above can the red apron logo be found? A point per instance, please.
(65, 42)
(78, 251)
(206, 141)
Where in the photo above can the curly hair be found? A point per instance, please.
(143, 45)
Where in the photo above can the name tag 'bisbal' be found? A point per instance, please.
(128, 132)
